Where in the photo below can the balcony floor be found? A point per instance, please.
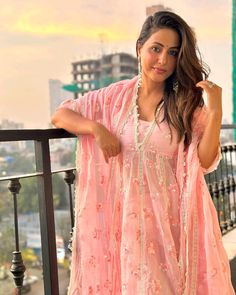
(229, 241)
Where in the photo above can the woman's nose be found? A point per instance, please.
(162, 58)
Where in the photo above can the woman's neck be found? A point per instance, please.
(151, 89)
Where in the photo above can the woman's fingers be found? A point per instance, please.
(111, 151)
(108, 142)
(214, 96)
(209, 86)
(106, 156)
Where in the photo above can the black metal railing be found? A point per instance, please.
(45, 198)
(221, 183)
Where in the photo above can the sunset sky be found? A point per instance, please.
(40, 39)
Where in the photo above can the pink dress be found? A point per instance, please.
(140, 221)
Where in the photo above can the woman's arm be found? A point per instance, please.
(78, 125)
(72, 122)
(209, 144)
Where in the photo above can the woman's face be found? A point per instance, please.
(159, 55)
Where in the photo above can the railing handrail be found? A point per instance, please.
(33, 134)
(52, 133)
(228, 126)
(34, 174)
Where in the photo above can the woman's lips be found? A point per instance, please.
(159, 71)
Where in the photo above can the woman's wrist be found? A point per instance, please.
(215, 115)
(94, 127)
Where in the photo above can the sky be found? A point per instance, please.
(40, 39)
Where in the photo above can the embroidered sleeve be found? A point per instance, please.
(93, 105)
(99, 105)
(71, 104)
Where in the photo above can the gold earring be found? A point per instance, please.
(139, 73)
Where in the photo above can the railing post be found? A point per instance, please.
(17, 267)
(46, 212)
(69, 179)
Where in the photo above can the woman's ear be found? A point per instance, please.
(138, 48)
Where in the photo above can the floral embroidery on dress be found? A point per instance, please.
(212, 272)
(163, 266)
(133, 224)
(151, 249)
(108, 256)
(97, 233)
(99, 206)
(156, 286)
(92, 261)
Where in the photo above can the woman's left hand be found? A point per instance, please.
(208, 147)
(214, 96)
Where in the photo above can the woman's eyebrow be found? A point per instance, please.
(177, 47)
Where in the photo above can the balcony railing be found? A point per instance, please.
(45, 196)
(221, 183)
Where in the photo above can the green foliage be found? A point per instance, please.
(27, 199)
(20, 165)
(59, 192)
(28, 196)
(6, 202)
(3, 152)
(7, 245)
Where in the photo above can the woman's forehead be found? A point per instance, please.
(166, 37)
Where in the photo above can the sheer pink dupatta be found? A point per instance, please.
(96, 194)
(203, 258)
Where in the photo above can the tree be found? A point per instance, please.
(28, 196)
(6, 203)
(59, 192)
(7, 245)
(20, 165)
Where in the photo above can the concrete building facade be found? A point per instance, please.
(57, 94)
(96, 73)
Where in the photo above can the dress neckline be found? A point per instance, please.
(145, 121)
(137, 121)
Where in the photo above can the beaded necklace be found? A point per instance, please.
(133, 110)
(148, 133)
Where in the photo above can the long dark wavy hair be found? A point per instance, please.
(179, 106)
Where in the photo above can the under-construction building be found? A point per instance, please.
(96, 73)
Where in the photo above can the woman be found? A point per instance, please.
(144, 220)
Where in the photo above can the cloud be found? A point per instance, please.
(87, 24)
(117, 19)
(39, 40)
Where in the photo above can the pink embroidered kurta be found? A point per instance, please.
(144, 223)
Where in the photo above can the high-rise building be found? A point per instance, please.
(150, 10)
(7, 124)
(10, 147)
(96, 73)
(57, 94)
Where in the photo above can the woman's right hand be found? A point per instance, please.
(108, 142)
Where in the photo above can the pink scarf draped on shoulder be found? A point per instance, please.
(203, 259)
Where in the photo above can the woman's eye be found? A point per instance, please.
(173, 52)
(156, 49)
